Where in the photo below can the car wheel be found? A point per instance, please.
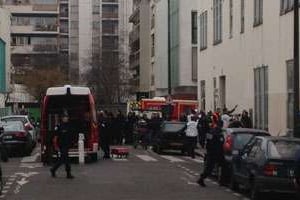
(254, 192)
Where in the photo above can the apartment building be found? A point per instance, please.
(34, 33)
(4, 54)
(149, 48)
(246, 59)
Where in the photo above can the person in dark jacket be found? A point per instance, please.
(104, 137)
(297, 172)
(119, 122)
(214, 150)
(63, 136)
(245, 120)
(203, 128)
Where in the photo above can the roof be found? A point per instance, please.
(74, 90)
(282, 138)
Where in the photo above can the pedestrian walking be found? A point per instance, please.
(191, 134)
(297, 173)
(104, 135)
(245, 120)
(214, 152)
(63, 138)
(120, 122)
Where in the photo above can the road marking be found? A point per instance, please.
(237, 194)
(8, 183)
(2, 196)
(215, 183)
(192, 183)
(172, 159)
(6, 187)
(228, 190)
(31, 165)
(197, 160)
(147, 158)
(4, 191)
(197, 174)
(189, 175)
(23, 181)
(12, 179)
(30, 159)
(120, 159)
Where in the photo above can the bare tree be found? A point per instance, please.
(38, 80)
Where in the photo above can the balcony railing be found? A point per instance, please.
(43, 7)
(49, 27)
(44, 48)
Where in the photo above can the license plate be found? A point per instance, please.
(7, 137)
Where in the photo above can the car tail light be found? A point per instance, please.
(270, 170)
(228, 143)
(20, 134)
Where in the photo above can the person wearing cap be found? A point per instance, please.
(63, 138)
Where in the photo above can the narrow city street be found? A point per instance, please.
(143, 175)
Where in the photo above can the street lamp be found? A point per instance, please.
(296, 70)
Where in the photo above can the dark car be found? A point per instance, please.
(267, 164)
(171, 136)
(16, 138)
(235, 141)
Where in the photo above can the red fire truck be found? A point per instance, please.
(175, 107)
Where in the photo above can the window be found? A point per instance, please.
(152, 45)
(194, 28)
(242, 16)
(256, 148)
(202, 92)
(261, 97)
(230, 18)
(290, 93)
(286, 6)
(217, 12)
(203, 30)
(258, 12)
(194, 63)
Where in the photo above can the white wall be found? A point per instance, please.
(161, 48)
(85, 36)
(269, 44)
(185, 41)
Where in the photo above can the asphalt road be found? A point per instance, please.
(143, 175)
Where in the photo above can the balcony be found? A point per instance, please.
(39, 9)
(35, 49)
(49, 29)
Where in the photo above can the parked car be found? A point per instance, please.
(235, 141)
(25, 120)
(267, 164)
(170, 136)
(16, 138)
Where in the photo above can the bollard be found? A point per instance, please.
(81, 148)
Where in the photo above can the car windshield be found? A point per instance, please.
(13, 127)
(282, 149)
(9, 119)
(241, 139)
(172, 127)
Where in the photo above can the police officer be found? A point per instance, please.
(63, 140)
(214, 150)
